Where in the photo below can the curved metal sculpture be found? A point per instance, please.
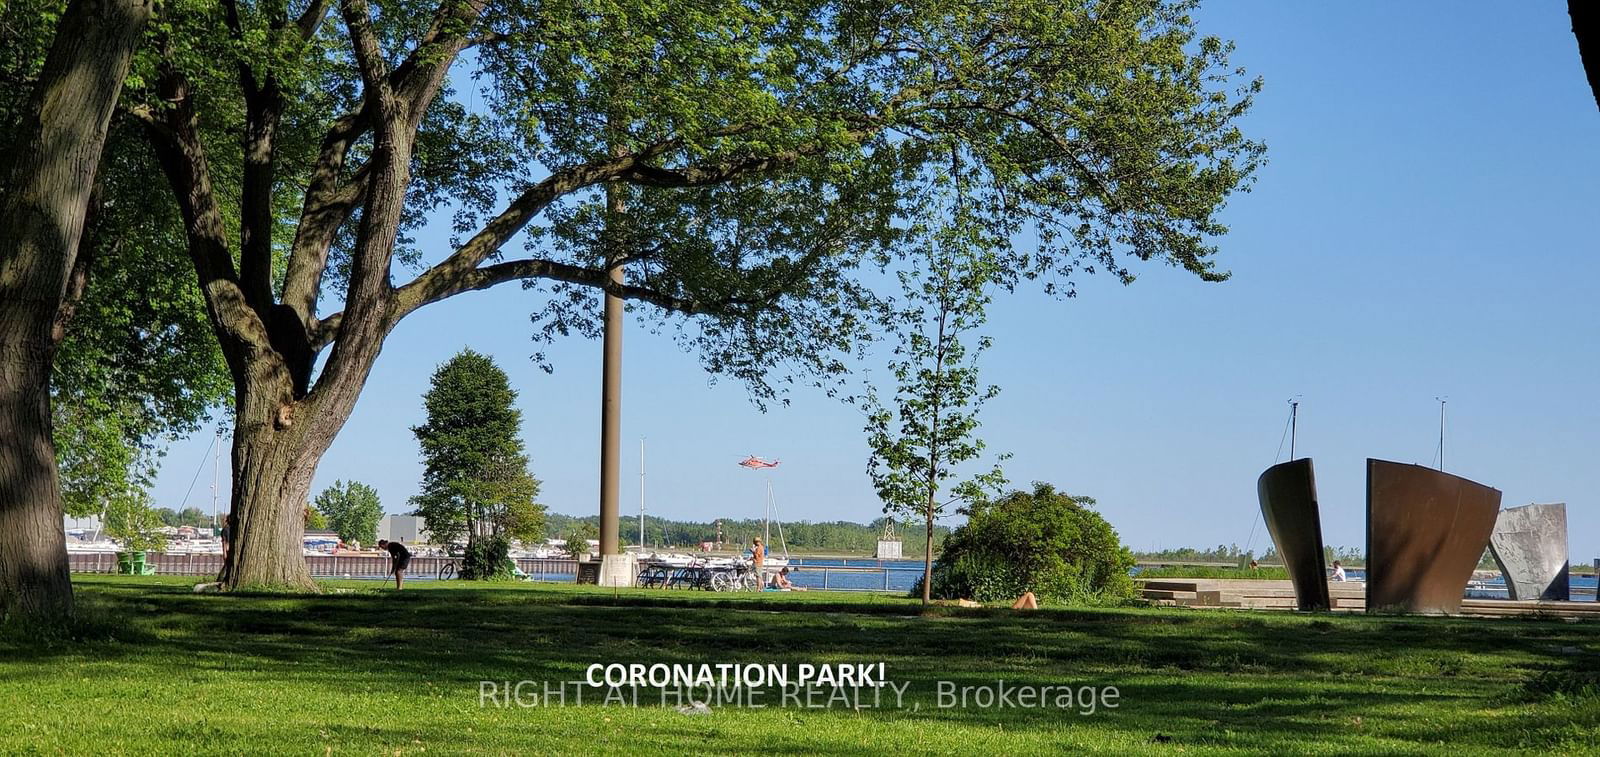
(1288, 494)
(1529, 544)
(1426, 531)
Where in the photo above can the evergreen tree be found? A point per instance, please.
(475, 484)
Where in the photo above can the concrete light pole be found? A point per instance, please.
(611, 395)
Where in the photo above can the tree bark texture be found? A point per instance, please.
(47, 179)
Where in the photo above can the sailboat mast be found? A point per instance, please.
(1441, 430)
(641, 494)
(216, 462)
(772, 507)
(1294, 424)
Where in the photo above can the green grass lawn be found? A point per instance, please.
(362, 670)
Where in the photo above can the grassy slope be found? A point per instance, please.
(363, 670)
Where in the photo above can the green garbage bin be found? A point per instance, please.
(134, 564)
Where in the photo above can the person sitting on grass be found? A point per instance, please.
(400, 557)
(780, 581)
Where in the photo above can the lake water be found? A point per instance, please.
(882, 575)
(813, 573)
(899, 576)
(1582, 589)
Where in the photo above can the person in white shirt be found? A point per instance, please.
(1338, 571)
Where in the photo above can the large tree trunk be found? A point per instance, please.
(281, 434)
(277, 443)
(46, 184)
(272, 470)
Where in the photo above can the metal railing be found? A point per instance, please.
(871, 577)
(804, 576)
(321, 566)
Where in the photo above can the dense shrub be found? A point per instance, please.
(1042, 541)
(487, 559)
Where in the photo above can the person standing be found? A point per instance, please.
(399, 556)
(758, 557)
(226, 536)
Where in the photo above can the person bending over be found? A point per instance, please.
(400, 557)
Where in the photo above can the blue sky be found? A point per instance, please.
(1419, 231)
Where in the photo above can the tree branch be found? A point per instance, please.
(464, 261)
(175, 138)
(718, 173)
(421, 292)
(263, 105)
(369, 55)
(312, 18)
(88, 250)
(326, 207)
(327, 204)
(418, 79)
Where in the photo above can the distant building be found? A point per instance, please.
(406, 529)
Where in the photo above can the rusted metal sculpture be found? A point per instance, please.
(1426, 531)
(1529, 544)
(1288, 494)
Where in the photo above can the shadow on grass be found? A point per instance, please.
(1235, 680)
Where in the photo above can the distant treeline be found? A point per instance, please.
(1354, 557)
(188, 516)
(802, 536)
(1350, 556)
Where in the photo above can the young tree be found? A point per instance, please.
(316, 520)
(352, 509)
(130, 519)
(762, 151)
(45, 180)
(475, 481)
(919, 445)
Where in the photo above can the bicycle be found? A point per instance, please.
(738, 578)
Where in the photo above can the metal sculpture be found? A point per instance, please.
(1288, 494)
(1426, 531)
(1529, 544)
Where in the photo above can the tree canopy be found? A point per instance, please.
(767, 157)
